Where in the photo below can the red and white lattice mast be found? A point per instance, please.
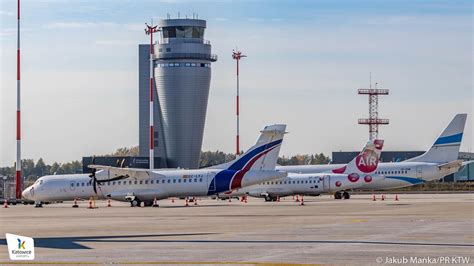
(18, 112)
(373, 121)
(237, 55)
(149, 31)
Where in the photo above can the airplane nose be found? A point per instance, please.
(26, 193)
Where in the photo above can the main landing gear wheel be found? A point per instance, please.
(135, 203)
(338, 195)
(346, 195)
(38, 204)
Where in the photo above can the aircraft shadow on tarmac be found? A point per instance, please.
(72, 242)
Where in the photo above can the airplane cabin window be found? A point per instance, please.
(200, 179)
(135, 182)
(141, 182)
(174, 180)
(146, 181)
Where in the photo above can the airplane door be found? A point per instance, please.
(211, 181)
(419, 171)
(326, 182)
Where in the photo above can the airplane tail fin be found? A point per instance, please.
(366, 162)
(263, 155)
(446, 147)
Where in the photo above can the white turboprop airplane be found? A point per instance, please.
(439, 161)
(356, 174)
(142, 185)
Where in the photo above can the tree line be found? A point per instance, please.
(31, 170)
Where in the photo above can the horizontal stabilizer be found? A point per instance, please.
(453, 164)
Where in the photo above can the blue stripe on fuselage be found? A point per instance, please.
(411, 180)
(449, 139)
(241, 162)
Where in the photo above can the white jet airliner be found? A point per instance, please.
(439, 161)
(142, 185)
(355, 174)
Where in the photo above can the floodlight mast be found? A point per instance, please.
(237, 55)
(149, 30)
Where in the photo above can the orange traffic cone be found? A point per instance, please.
(396, 197)
(297, 198)
(90, 204)
(75, 204)
(230, 200)
(373, 197)
(195, 201)
(245, 199)
(187, 204)
(302, 201)
(5, 204)
(108, 203)
(383, 196)
(278, 198)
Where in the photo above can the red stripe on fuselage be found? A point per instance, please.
(237, 179)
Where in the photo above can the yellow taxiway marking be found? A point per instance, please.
(359, 220)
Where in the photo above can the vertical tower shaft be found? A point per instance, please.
(18, 112)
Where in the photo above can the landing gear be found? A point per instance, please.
(38, 204)
(135, 203)
(346, 195)
(270, 198)
(338, 195)
(148, 203)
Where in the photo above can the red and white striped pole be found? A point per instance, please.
(237, 55)
(149, 31)
(18, 112)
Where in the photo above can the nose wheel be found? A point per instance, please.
(38, 204)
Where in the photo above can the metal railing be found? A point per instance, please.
(373, 91)
(171, 56)
(185, 40)
(369, 121)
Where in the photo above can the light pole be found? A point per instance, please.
(149, 30)
(237, 55)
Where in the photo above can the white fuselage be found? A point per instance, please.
(401, 174)
(305, 184)
(161, 184)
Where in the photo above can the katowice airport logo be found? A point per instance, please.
(20, 247)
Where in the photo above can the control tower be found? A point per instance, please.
(182, 80)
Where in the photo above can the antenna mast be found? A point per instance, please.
(373, 121)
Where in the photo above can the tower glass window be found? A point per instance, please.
(183, 32)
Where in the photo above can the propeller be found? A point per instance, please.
(95, 182)
(93, 177)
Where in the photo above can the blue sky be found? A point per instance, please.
(305, 61)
